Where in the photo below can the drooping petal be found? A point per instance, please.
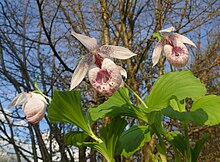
(117, 52)
(167, 30)
(157, 52)
(34, 109)
(81, 70)
(107, 79)
(177, 56)
(20, 99)
(89, 43)
(182, 39)
(122, 71)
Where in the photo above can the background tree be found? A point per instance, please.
(35, 41)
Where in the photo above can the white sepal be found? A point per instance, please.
(88, 42)
(80, 71)
(117, 52)
(183, 39)
(157, 52)
(20, 99)
(167, 30)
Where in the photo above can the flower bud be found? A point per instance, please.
(33, 105)
(35, 108)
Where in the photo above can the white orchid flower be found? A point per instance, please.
(104, 74)
(33, 105)
(173, 45)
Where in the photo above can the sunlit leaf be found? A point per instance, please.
(211, 106)
(178, 105)
(118, 104)
(66, 107)
(174, 85)
(133, 139)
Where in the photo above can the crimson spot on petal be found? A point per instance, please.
(103, 76)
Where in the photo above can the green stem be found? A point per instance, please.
(95, 137)
(39, 91)
(188, 151)
(136, 95)
(162, 144)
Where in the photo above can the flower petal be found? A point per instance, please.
(81, 71)
(107, 79)
(20, 99)
(115, 52)
(182, 39)
(89, 43)
(122, 71)
(157, 52)
(177, 56)
(167, 30)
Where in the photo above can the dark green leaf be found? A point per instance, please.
(133, 139)
(157, 123)
(74, 138)
(178, 142)
(211, 106)
(198, 117)
(174, 85)
(111, 133)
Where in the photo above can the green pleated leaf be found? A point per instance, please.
(66, 107)
(74, 138)
(133, 139)
(179, 85)
(111, 133)
(101, 148)
(118, 104)
(211, 106)
(178, 142)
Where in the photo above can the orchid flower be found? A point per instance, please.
(104, 74)
(174, 48)
(33, 105)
